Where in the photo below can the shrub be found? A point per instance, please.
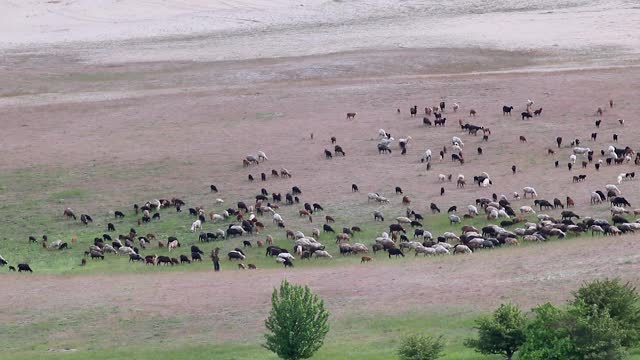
(297, 322)
(416, 347)
(502, 333)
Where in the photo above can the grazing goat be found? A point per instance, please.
(24, 267)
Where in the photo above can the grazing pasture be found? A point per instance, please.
(157, 140)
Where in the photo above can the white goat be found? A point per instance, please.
(457, 141)
(427, 156)
(572, 158)
(277, 218)
(196, 225)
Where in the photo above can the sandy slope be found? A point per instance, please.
(153, 30)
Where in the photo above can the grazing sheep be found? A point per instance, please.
(461, 249)
(24, 267)
(527, 210)
(529, 190)
(174, 244)
(322, 253)
(395, 252)
(69, 214)
(472, 210)
(454, 219)
(403, 220)
(277, 219)
(456, 141)
(342, 237)
(425, 250)
(611, 187)
(235, 255)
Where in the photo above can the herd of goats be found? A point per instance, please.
(506, 226)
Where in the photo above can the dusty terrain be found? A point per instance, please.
(203, 118)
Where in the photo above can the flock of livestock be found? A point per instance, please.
(505, 225)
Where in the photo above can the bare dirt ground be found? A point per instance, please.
(198, 120)
(209, 116)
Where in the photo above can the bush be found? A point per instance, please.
(415, 347)
(297, 322)
(502, 333)
(620, 301)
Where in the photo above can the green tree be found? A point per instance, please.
(620, 301)
(595, 335)
(420, 347)
(576, 333)
(297, 322)
(502, 333)
(547, 336)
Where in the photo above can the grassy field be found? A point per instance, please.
(29, 213)
(358, 337)
(113, 333)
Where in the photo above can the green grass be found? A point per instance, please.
(31, 203)
(32, 200)
(356, 337)
(74, 193)
(17, 249)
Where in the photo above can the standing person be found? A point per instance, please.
(216, 259)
